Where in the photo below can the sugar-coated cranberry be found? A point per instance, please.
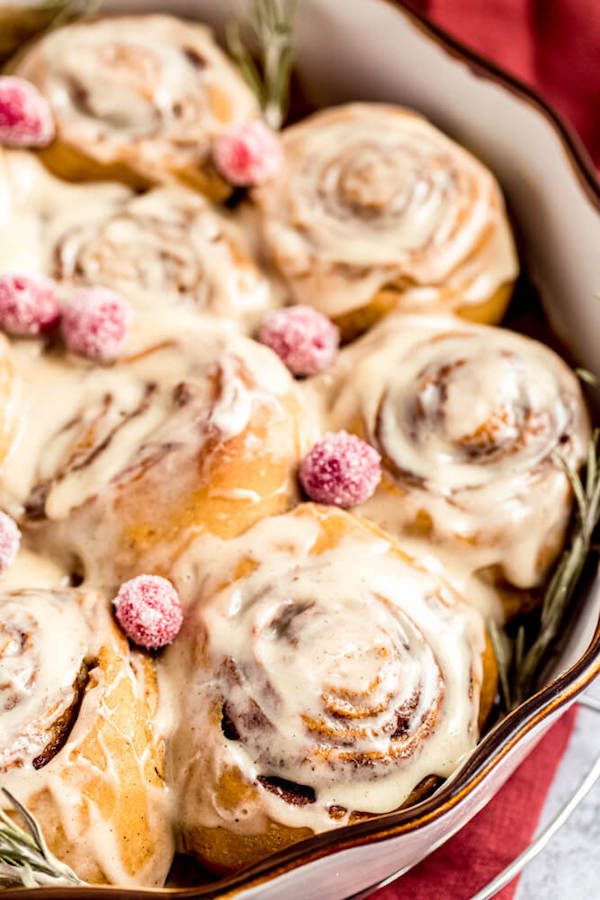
(10, 539)
(25, 116)
(148, 610)
(95, 324)
(29, 304)
(248, 153)
(340, 470)
(303, 338)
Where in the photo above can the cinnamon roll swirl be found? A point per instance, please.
(166, 249)
(138, 99)
(163, 250)
(375, 210)
(78, 743)
(37, 210)
(198, 429)
(328, 678)
(473, 424)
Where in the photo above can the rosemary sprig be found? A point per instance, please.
(503, 651)
(72, 10)
(519, 664)
(267, 27)
(570, 566)
(21, 23)
(587, 376)
(25, 860)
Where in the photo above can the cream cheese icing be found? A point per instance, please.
(346, 671)
(472, 422)
(373, 196)
(148, 91)
(163, 250)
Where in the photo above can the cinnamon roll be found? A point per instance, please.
(376, 210)
(474, 424)
(78, 743)
(138, 99)
(328, 678)
(162, 250)
(165, 249)
(197, 429)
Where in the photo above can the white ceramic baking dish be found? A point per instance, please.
(376, 50)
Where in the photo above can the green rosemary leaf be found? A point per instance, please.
(591, 477)
(503, 653)
(20, 23)
(520, 646)
(264, 26)
(576, 485)
(242, 57)
(75, 9)
(587, 376)
(25, 859)
(565, 579)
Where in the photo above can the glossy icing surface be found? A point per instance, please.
(163, 250)
(373, 196)
(76, 710)
(341, 668)
(345, 668)
(150, 91)
(472, 422)
(183, 382)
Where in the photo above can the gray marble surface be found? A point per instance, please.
(569, 867)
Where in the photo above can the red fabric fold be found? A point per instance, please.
(493, 838)
(553, 45)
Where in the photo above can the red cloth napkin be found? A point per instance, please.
(493, 838)
(554, 45)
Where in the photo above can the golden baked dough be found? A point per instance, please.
(376, 210)
(164, 250)
(328, 678)
(196, 429)
(137, 99)
(469, 420)
(79, 745)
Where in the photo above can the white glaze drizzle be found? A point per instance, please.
(34, 569)
(37, 210)
(36, 686)
(469, 419)
(372, 196)
(136, 403)
(45, 637)
(150, 91)
(165, 249)
(436, 228)
(313, 638)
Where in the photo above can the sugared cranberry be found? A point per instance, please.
(304, 339)
(95, 324)
(25, 116)
(10, 538)
(340, 470)
(29, 304)
(247, 154)
(148, 610)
